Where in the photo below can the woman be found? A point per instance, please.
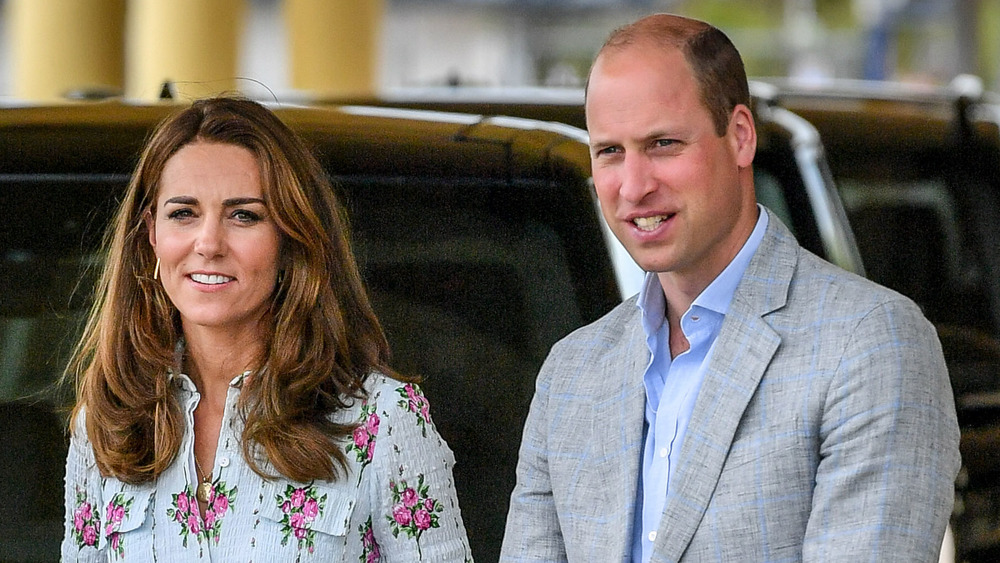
(234, 397)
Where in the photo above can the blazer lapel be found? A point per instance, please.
(616, 425)
(742, 352)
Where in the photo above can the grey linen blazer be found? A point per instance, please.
(825, 430)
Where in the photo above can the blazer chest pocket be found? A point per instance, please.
(310, 516)
(126, 519)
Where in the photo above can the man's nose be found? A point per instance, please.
(637, 177)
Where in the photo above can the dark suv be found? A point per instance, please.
(479, 239)
(918, 169)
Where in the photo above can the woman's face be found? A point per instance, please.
(215, 237)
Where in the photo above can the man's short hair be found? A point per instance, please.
(715, 62)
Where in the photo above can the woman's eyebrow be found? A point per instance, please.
(183, 200)
(236, 201)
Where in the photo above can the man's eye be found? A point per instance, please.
(608, 150)
(665, 142)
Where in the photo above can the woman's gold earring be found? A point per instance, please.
(156, 269)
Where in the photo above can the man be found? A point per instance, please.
(753, 403)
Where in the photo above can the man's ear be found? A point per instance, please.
(147, 218)
(744, 134)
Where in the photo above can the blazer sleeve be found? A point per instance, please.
(82, 537)
(532, 532)
(888, 445)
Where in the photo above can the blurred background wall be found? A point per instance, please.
(282, 48)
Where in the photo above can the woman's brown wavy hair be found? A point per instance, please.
(323, 337)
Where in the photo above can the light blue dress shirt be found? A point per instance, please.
(672, 385)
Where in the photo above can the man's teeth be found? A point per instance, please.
(649, 223)
(211, 279)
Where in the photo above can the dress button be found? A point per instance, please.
(652, 536)
(663, 452)
(224, 462)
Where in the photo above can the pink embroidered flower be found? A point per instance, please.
(193, 524)
(119, 514)
(89, 535)
(298, 497)
(86, 520)
(310, 509)
(422, 518)
(414, 511)
(115, 541)
(370, 552)
(372, 424)
(300, 507)
(209, 518)
(413, 400)
(361, 437)
(401, 515)
(409, 497)
(221, 504)
(184, 511)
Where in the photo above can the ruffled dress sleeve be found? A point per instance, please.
(415, 511)
(82, 537)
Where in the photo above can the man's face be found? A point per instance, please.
(671, 189)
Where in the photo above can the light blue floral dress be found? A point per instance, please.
(398, 502)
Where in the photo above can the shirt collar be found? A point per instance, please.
(184, 381)
(717, 296)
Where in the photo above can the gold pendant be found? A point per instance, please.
(204, 491)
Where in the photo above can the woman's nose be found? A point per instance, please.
(211, 239)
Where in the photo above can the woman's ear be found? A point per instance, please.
(147, 218)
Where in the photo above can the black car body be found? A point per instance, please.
(478, 237)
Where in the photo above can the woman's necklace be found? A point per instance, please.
(205, 485)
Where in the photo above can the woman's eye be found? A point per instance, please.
(245, 216)
(181, 213)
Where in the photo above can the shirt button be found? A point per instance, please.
(224, 462)
(663, 452)
(652, 536)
